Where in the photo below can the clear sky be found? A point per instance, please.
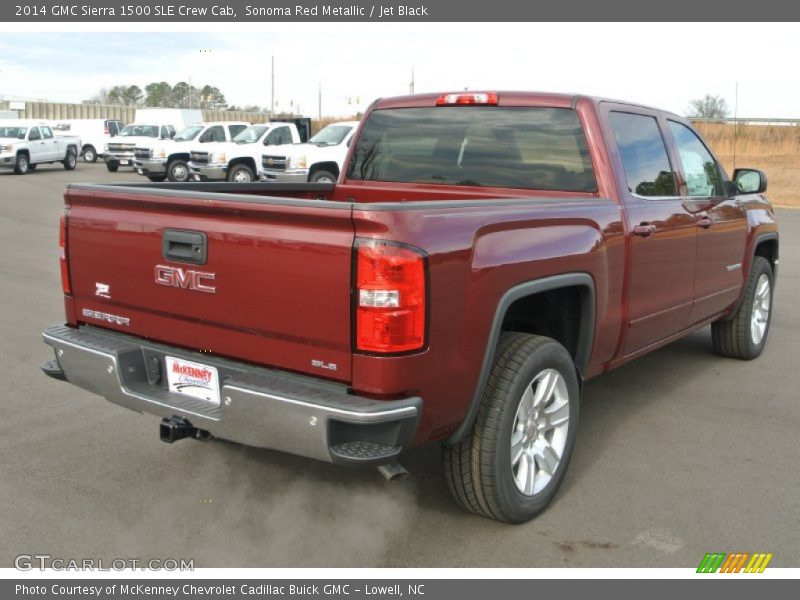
(664, 65)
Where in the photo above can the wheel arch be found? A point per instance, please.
(766, 246)
(178, 156)
(583, 284)
(244, 160)
(324, 166)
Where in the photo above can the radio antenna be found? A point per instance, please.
(735, 122)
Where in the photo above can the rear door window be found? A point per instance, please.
(531, 148)
(34, 134)
(644, 155)
(47, 133)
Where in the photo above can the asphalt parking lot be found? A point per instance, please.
(678, 454)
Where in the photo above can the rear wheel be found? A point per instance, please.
(178, 170)
(513, 461)
(112, 166)
(22, 165)
(71, 160)
(744, 334)
(89, 154)
(241, 174)
(322, 176)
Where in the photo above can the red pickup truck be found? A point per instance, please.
(481, 256)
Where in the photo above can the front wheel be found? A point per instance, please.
(71, 160)
(514, 459)
(178, 170)
(241, 174)
(322, 177)
(744, 334)
(112, 166)
(22, 165)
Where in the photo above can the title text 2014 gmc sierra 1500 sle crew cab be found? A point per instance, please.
(480, 257)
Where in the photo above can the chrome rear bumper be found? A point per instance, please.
(259, 407)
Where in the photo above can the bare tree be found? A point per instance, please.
(101, 97)
(709, 107)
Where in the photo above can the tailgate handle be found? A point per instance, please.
(184, 246)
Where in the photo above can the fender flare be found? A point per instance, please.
(767, 237)
(529, 288)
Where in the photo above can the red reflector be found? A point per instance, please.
(390, 297)
(62, 246)
(467, 98)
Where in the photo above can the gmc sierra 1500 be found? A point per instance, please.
(481, 256)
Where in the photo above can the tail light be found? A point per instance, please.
(62, 244)
(468, 98)
(390, 297)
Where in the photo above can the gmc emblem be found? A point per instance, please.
(188, 279)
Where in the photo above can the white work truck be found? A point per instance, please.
(149, 124)
(318, 161)
(238, 160)
(169, 159)
(26, 144)
(94, 134)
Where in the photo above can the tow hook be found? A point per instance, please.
(176, 428)
(393, 471)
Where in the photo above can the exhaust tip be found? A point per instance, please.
(393, 471)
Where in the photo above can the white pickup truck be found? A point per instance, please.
(317, 161)
(169, 159)
(237, 160)
(25, 144)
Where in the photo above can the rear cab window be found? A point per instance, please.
(502, 147)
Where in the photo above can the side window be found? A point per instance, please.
(278, 136)
(699, 168)
(171, 131)
(34, 134)
(644, 155)
(112, 128)
(164, 132)
(47, 133)
(213, 134)
(236, 129)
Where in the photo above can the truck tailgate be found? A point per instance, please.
(273, 290)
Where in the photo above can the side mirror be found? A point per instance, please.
(750, 181)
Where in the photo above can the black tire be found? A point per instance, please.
(157, 178)
(89, 154)
(735, 337)
(479, 470)
(178, 171)
(71, 160)
(22, 165)
(241, 174)
(112, 166)
(322, 176)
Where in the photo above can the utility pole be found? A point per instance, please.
(272, 101)
(319, 116)
(411, 86)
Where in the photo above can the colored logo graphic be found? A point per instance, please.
(719, 562)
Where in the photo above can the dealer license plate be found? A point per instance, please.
(193, 379)
(124, 162)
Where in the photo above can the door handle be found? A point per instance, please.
(704, 222)
(644, 229)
